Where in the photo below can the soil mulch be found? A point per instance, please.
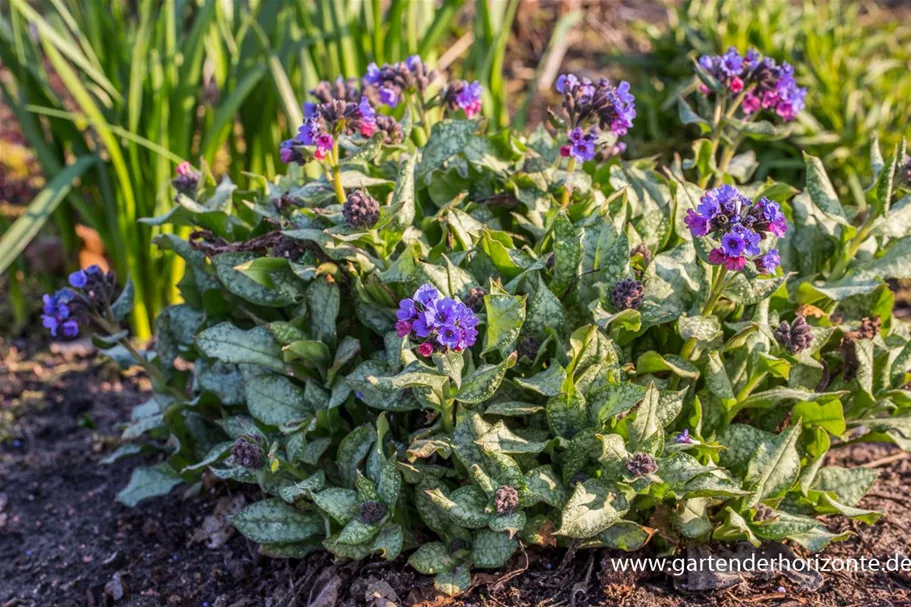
(64, 541)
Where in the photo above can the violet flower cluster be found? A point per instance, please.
(59, 314)
(437, 322)
(465, 96)
(389, 84)
(68, 308)
(602, 105)
(740, 225)
(768, 86)
(340, 108)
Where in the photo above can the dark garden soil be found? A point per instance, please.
(65, 542)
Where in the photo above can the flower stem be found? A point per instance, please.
(449, 410)
(567, 189)
(718, 286)
(750, 386)
(336, 171)
(155, 374)
(841, 266)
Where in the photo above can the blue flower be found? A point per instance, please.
(469, 99)
(732, 63)
(768, 262)
(389, 96)
(684, 437)
(428, 316)
(78, 279)
(57, 317)
(373, 76)
(427, 295)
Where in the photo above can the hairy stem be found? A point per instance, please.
(567, 189)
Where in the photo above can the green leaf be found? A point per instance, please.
(448, 138)
(229, 344)
(491, 550)
(652, 362)
(357, 531)
(484, 381)
(432, 558)
(272, 521)
(543, 485)
(567, 255)
(148, 482)
(341, 504)
(774, 467)
(501, 438)
(464, 506)
(626, 535)
(399, 215)
(505, 317)
(453, 582)
(548, 382)
(849, 485)
(647, 431)
(702, 328)
(828, 414)
(513, 408)
(614, 399)
(591, 509)
(276, 400)
(323, 302)
(286, 288)
(450, 364)
(544, 311)
(567, 414)
(749, 292)
(352, 451)
(123, 305)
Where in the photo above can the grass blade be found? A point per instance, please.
(14, 240)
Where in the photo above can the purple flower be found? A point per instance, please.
(582, 145)
(698, 225)
(414, 62)
(389, 96)
(402, 328)
(733, 263)
(684, 437)
(449, 336)
(707, 62)
(407, 310)
(427, 295)
(767, 263)
(373, 75)
(733, 244)
(565, 82)
(752, 59)
(584, 101)
(433, 318)
(57, 317)
(732, 63)
(469, 99)
(78, 279)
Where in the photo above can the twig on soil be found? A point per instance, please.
(885, 461)
(498, 585)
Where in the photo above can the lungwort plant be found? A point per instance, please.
(491, 341)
